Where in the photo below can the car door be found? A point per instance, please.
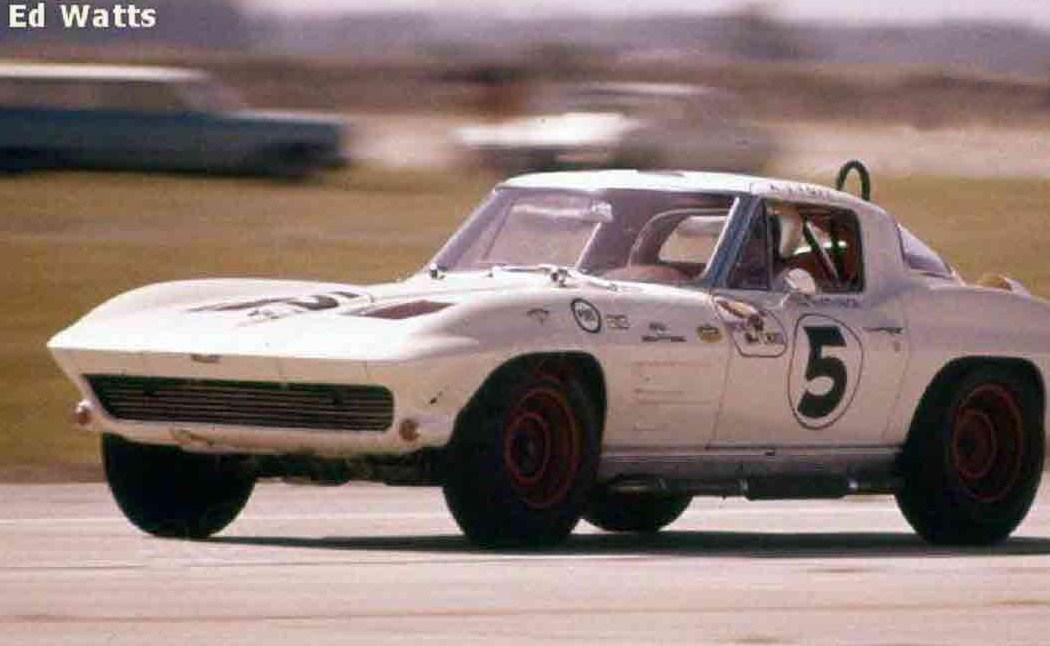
(817, 355)
(666, 336)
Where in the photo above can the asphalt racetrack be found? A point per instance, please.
(369, 564)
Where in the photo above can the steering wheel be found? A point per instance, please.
(822, 254)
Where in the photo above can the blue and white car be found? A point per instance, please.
(153, 119)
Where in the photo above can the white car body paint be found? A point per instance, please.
(679, 386)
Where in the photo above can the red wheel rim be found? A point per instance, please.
(987, 443)
(541, 447)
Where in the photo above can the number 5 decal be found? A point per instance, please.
(825, 370)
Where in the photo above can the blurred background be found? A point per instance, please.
(336, 140)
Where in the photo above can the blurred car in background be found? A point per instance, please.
(152, 119)
(637, 125)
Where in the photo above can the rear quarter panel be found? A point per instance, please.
(951, 321)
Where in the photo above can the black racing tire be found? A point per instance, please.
(643, 512)
(973, 462)
(522, 461)
(167, 492)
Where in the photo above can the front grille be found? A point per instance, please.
(245, 403)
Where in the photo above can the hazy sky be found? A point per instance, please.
(1023, 11)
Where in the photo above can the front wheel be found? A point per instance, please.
(972, 466)
(642, 512)
(167, 492)
(523, 460)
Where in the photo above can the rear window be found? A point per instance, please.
(920, 257)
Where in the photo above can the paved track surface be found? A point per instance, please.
(366, 564)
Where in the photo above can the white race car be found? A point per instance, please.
(601, 344)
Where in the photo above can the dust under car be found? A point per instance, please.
(601, 345)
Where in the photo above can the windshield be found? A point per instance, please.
(649, 236)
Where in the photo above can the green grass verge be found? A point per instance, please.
(69, 241)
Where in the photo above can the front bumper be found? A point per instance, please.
(428, 396)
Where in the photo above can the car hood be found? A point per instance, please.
(203, 319)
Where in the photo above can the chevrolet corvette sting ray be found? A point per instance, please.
(596, 344)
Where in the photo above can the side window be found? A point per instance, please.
(139, 96)
(691, 244)
(820, 242)
(50, 94)
(675, 246)
(838, 234)
(919, 257)
(751, 270)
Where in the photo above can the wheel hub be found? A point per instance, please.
(541, 447)
(987, 443)
(974, 446)
(528, 443)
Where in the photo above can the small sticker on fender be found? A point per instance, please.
(587, 316)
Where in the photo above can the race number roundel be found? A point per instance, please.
(825, 370)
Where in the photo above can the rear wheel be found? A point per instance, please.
(167, 492)
(523, 460)
(635, 512)
(973, 466)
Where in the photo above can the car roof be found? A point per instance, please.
(82, 72)
(691, 181)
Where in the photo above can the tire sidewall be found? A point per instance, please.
(642, 512)
(169, 493)
(479, 489)
(1013, 507)
(934, 499)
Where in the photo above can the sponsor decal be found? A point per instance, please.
(825, 370)
(827, 301)
(709, 333)
(587, 316)
(658, 333)
(538, 314)
(755, 332)
(617, 321)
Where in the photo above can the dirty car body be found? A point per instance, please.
(604, 344)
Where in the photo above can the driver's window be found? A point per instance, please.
(691, 244)
(817, 245)
(801, 247)
(674, 247)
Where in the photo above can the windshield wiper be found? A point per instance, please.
(557, 273)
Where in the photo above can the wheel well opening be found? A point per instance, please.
(938, 393)
(564, 365)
